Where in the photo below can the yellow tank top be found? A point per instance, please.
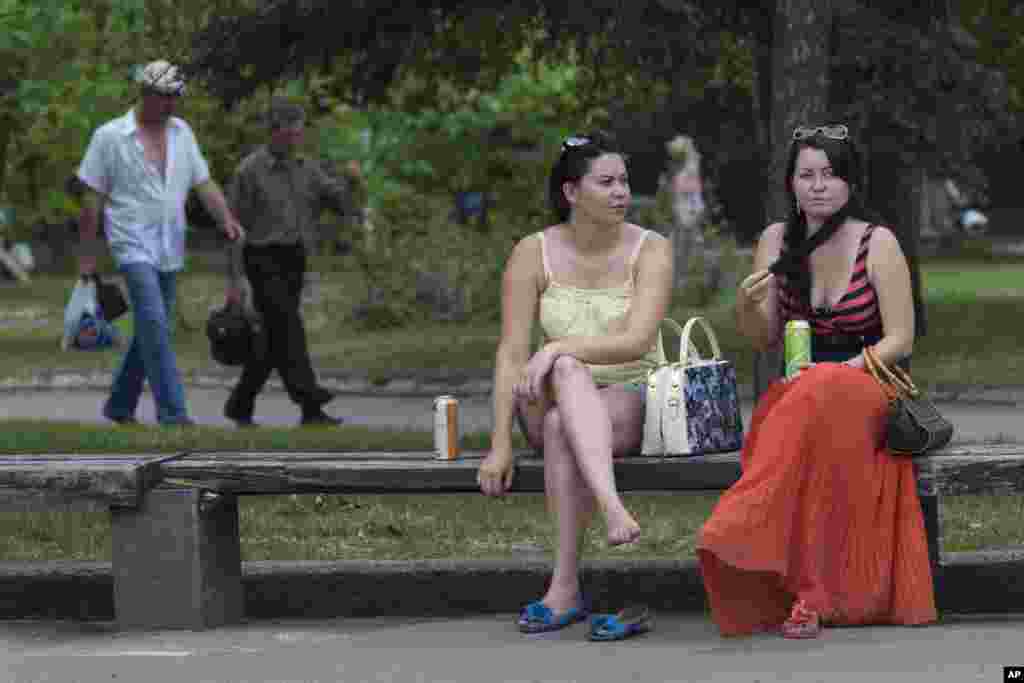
(576, 311)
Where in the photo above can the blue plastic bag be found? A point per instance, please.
(95, 333)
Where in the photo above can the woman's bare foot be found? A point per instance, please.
(622, 529)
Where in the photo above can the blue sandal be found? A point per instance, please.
(625, 623)
(539, 618)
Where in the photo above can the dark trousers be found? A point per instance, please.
(276, 273)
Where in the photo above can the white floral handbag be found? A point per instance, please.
(692, 405)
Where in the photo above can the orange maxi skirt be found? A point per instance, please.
(823, 512)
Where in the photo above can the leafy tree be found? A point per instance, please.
(55, 92)
(898, 72)
(65, 68)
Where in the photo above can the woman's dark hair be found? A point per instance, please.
(573, 163)
(845, 161)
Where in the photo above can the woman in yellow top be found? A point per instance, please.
(599, 287)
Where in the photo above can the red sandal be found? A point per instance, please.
(803, 622)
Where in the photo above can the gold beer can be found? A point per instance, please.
(446, 427)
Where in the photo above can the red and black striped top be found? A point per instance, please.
(857, 313)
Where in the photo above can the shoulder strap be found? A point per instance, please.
(544, 257)
(636, 250)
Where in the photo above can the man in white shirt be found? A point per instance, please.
(139, 169)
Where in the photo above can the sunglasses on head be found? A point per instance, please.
(836, 132)
(576, 141)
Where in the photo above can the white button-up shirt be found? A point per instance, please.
(144, 210)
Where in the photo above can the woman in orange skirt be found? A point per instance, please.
(824, 526)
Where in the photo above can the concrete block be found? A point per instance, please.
(177, 561)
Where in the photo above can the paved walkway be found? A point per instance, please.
(481, 649)
(974, 421)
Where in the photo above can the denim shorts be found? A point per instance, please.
(637, 385)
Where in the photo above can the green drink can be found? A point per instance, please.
(797, 340)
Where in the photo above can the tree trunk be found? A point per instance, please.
(801, 33)
(799, 81)
(896, 189)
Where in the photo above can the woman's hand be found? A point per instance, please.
(530, 385)
(496, 471)
(755, 288)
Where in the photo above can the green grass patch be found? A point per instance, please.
(455, 526)
(44, 436)
(973, 338)
(973, 283)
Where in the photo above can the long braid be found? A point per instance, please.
(793, 263)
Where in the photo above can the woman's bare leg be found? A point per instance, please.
(572, 505)
(587, 424)
(569, 498)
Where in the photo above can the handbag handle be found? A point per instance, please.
(685, 344)
(894, 380)
(678, 329)
(688, 350)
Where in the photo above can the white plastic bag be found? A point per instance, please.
(82, 302)
(22, 253)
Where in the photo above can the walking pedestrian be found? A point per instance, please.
(824, 525)
(279, 193)
(138, 170)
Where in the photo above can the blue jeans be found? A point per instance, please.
(150, 356)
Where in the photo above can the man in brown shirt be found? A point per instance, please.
(278, 195)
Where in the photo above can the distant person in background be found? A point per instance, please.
(139, 169)
(279, 194)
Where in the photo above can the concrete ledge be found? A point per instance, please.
(985, 582)
(991, 580)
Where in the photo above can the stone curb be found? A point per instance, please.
(984, 582)
(428, 384)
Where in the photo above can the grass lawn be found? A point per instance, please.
(974, 338)
(315, 527)
(455, 526)
(972, 318)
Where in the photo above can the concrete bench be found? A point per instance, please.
(176, 547)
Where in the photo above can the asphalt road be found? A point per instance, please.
(973, 421)
(481, 649)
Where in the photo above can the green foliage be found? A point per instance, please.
(495, 139)
(500, 142)
(409, 238)
(997, 26)
(65, 68)
(59, 93)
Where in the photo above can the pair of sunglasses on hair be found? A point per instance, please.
(576, 141)
(838, 131)
(834, 132)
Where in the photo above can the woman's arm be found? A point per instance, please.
(520, 292)
(757, 297)
(890, 275)
(640, 329)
